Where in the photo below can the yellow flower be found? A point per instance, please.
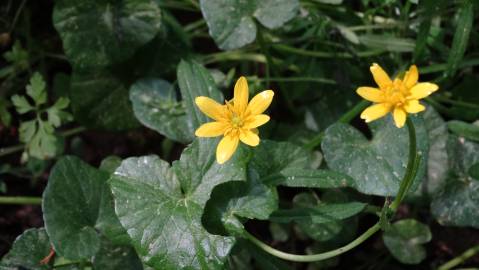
(237, 120)
(400, 96)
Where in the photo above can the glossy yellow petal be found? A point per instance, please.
(371, 94)
(256, 121)
(399, 116)
(422, 90)
(210, 107)
(380, 76)
(255, 131)
(226, 148)
(211, 129)
(241, 94)
(260, 102)
(249, 138)
(376, 111)
(413, 106)
(411, 77)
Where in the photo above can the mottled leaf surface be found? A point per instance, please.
(27, 251)
(114, 257)
(457, 203)
(378, 165)
(404, 238)
(437, 161)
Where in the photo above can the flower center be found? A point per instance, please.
(396, 93)
(236, 121)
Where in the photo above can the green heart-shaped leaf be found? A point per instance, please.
(378, 165)
(76, 204)
(404, 239)
(161, 207)
(101, 32)
(232, 24)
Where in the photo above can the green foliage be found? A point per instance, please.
(377, 166)
(155, 105)
(466, 130)
(27, 251)
(78, 209)
(18, 58)
(90, 42)
(457, 202)
(404, 240)
(155, 201)
(194, 81)
(232, 23)
(39, 134)
(323, 213)
(464, 26)
(233, 200)
(100, 100)
(142, 192)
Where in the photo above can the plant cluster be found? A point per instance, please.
(255, 134)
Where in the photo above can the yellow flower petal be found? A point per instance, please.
(380, 76)
(422, 90)
(210, 107)
(399, 117)
(211, 129)
(260, 102)
(413, 106)
(371, 94)
(375, 111)
(256, 121)
(411, 77)
(226, 148)
(249, 138)
(241, 94)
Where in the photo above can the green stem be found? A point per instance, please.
(457, 103)
(295, 79)
(20, 200)
(234, 55)
(265, 51)
(66, 264)
(442, 67)
(11, 149)
(194, 25)
(346, 118)
(289, 49)
(73, 131)
(460, 259)
(411, 168)
(315, 257)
